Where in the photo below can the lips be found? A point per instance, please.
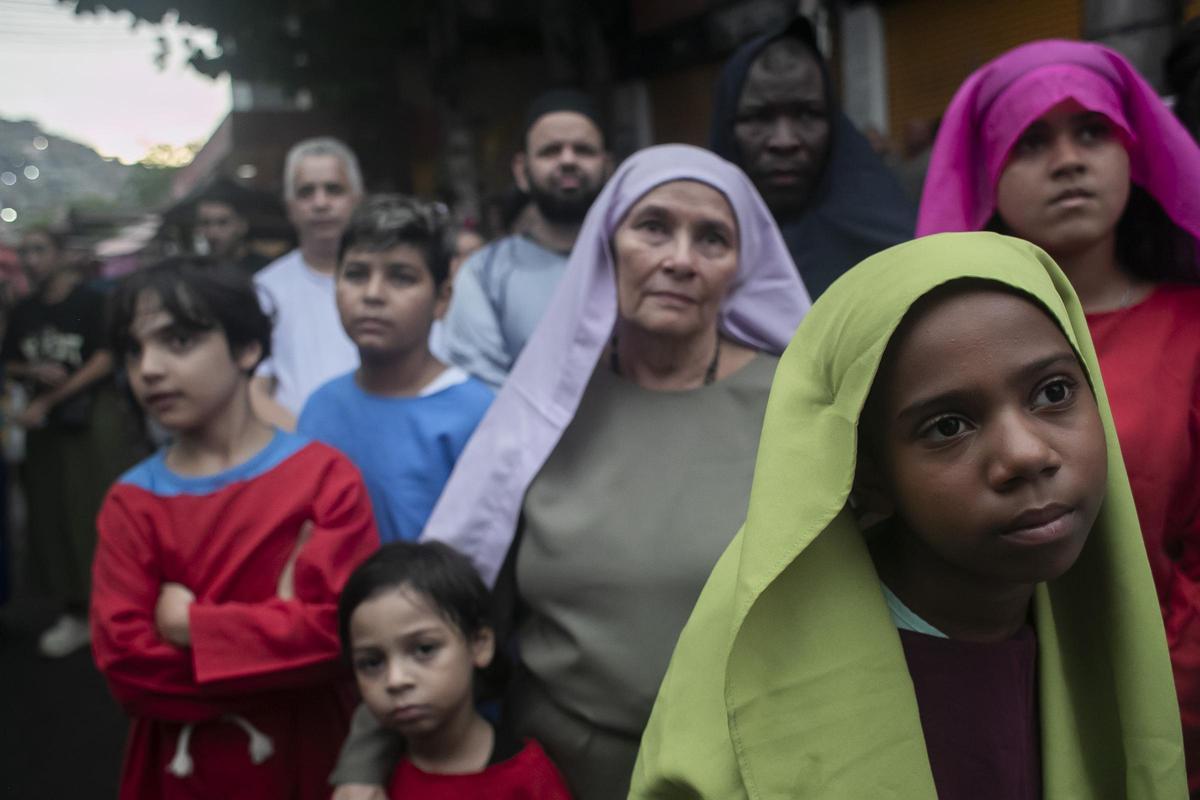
(1039, 524)
(1074, 193)
(406, 715)
(370, 325)
(673, 297)
(155, 399)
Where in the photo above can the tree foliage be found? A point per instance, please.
(338, 51)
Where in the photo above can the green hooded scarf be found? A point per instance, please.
(789, 680)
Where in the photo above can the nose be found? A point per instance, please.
(1020, 451)
(783, 135)
(568, 158)
(1066, 156)
(399, 678)
(680, 261)
(148, 365)
(373, 291)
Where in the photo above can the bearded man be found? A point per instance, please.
(501, 291)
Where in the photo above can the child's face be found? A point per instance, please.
(1066, 183)
(415, 668)
(990, 445)
(387, 299)
(183, 378)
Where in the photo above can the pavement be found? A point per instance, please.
(61, 733)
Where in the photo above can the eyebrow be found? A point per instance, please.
(922, 407)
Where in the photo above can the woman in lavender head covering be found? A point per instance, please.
(1066, 145)
(615, 464)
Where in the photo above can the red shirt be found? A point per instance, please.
(1150, 360)
(255, 660)
(529, 775)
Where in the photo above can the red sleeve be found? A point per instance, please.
(1180, 594)
(280, 644)
(147, 675)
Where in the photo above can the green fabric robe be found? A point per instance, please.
(789, 680)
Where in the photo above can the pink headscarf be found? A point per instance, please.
(477, 513)
(1002, 98)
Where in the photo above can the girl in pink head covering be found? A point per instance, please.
(1066, 145)
(615, 464)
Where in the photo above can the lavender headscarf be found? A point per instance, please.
(1001, 99)
(478, 511)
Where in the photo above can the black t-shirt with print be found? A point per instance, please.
(67, 333)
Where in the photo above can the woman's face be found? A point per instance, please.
(1066, 182)
(676, 254)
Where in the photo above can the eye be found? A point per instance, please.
(368, 663)
(1030, 142)
(1054, 393)
(945, 428)
(651, 225)
(426, 651)
(354, 273)
(178, 341)
(402, 277)
(1095, 130)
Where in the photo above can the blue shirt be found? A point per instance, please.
(405, 447)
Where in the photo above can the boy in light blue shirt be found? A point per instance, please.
(402, 417)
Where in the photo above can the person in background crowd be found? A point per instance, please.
(76, 441)
(776, 116)
(321, 186)
(615, 463)
(402, 417)
(939, 590)
(502, 290)
(220, 558)
(1066, 145)
(913, 163)
(222, 221)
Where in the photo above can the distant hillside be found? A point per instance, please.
(67, 174)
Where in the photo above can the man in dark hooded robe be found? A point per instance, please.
(775, 115)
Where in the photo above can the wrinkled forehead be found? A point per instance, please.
(785, 67)
(321, 168)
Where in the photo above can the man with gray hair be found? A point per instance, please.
(322, 184)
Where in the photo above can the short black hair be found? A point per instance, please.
(383, 221)
(226, 192)
(199, 296)
(565, 99)
(431, 569)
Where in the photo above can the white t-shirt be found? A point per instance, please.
(308, 343)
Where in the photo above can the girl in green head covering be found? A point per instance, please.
(940, 590)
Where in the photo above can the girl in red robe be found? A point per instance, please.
(220, 559)
(1065, 145)
(415, 624)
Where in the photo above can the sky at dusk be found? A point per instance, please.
(93, 79)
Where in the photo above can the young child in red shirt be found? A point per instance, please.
(220, 559)
(415, 625)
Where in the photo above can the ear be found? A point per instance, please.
(483, 648)
(518, 170)
(608, 165)
(441, 301)
(870, 499)
(248, 356)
